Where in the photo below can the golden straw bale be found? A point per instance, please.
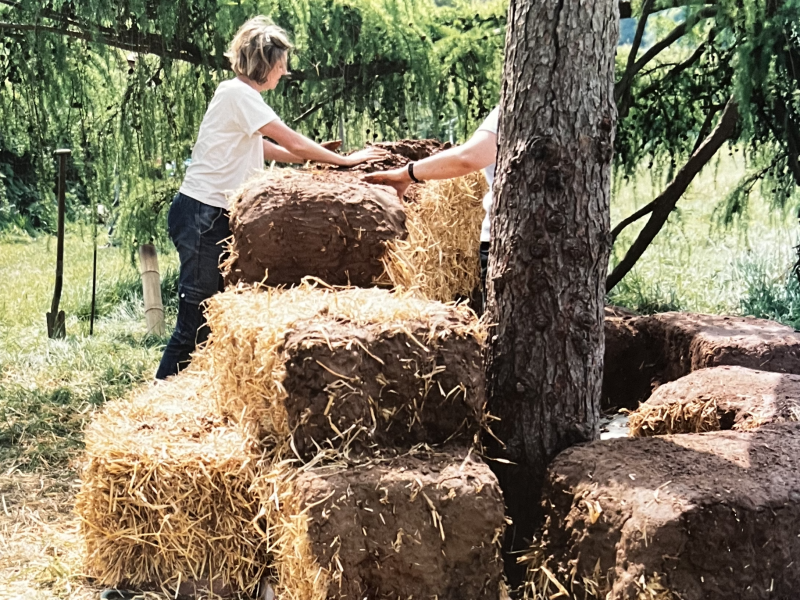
(165, 497)
(331, 364)
(439, 259)
(421, 526)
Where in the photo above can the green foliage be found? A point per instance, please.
(367, 69)
(748, 49)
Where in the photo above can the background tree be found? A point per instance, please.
(550, 232)
(722, 71)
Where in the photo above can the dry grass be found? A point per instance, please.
(542, 584)
(40, 550)
(439, 259)
(695, 416)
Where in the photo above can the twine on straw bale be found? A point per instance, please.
(165, 495)
(439, 259)
(249, 326)
(695, 416)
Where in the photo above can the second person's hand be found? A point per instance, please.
(396, 178)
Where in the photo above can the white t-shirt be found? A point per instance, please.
(489, 124)
(228, 150)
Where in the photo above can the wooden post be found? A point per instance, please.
(151, 289)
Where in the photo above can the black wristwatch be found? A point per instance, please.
(411, 173)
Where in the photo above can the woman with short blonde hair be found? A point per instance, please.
(230, 148)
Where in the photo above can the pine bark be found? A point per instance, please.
(551, 240)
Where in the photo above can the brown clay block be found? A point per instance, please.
(714, 515)
(643, 352)
(290, 224)
(364, 390)
(423, 527)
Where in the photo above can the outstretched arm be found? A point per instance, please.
(478, 152)
(282, 155)
(300, 148)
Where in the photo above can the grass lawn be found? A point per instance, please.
(49, 389)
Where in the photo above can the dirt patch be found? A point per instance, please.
(710, 516)
(411, 528)
(290, 224)
(365, 390)
(644, 352)
(719, 398)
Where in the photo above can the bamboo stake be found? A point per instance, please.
(151, 289)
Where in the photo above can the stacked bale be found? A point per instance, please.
(322, 441)
(708, 516)
(343, 401)
(289, 224)
(165, 497)
(327, 223)
(719, 398)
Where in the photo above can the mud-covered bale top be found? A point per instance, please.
(288, 224)
(164, 498)
(719, 398)
(397, 154)
(423, 526)
(347, 368)
(653, 350)
(708, 516)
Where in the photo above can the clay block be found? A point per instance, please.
(719, 398)
(706, 516)
(290, 224)
(363, 389)
(643, 352)
(426, 527)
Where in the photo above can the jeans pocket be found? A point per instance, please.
(207, 217)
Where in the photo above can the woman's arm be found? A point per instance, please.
(301, 148)
(478, 152)
(282, 155)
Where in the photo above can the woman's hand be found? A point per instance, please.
(369, 153)
(396, 178)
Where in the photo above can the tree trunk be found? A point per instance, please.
(550, 226)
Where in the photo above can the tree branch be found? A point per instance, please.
(629, 220)
(666, 202)
(622, 88)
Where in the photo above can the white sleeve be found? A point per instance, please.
(254, 113)
(490, 123)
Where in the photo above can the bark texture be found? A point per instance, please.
(550, 231)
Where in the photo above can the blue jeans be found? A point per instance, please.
(197, 230)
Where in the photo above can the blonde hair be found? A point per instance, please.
(257, 47)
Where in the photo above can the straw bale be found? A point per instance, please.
(718, 398)
(165, 495)
(714, 515)
(413, 527)
(347, 368)
(289, 224)
(440, 259)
